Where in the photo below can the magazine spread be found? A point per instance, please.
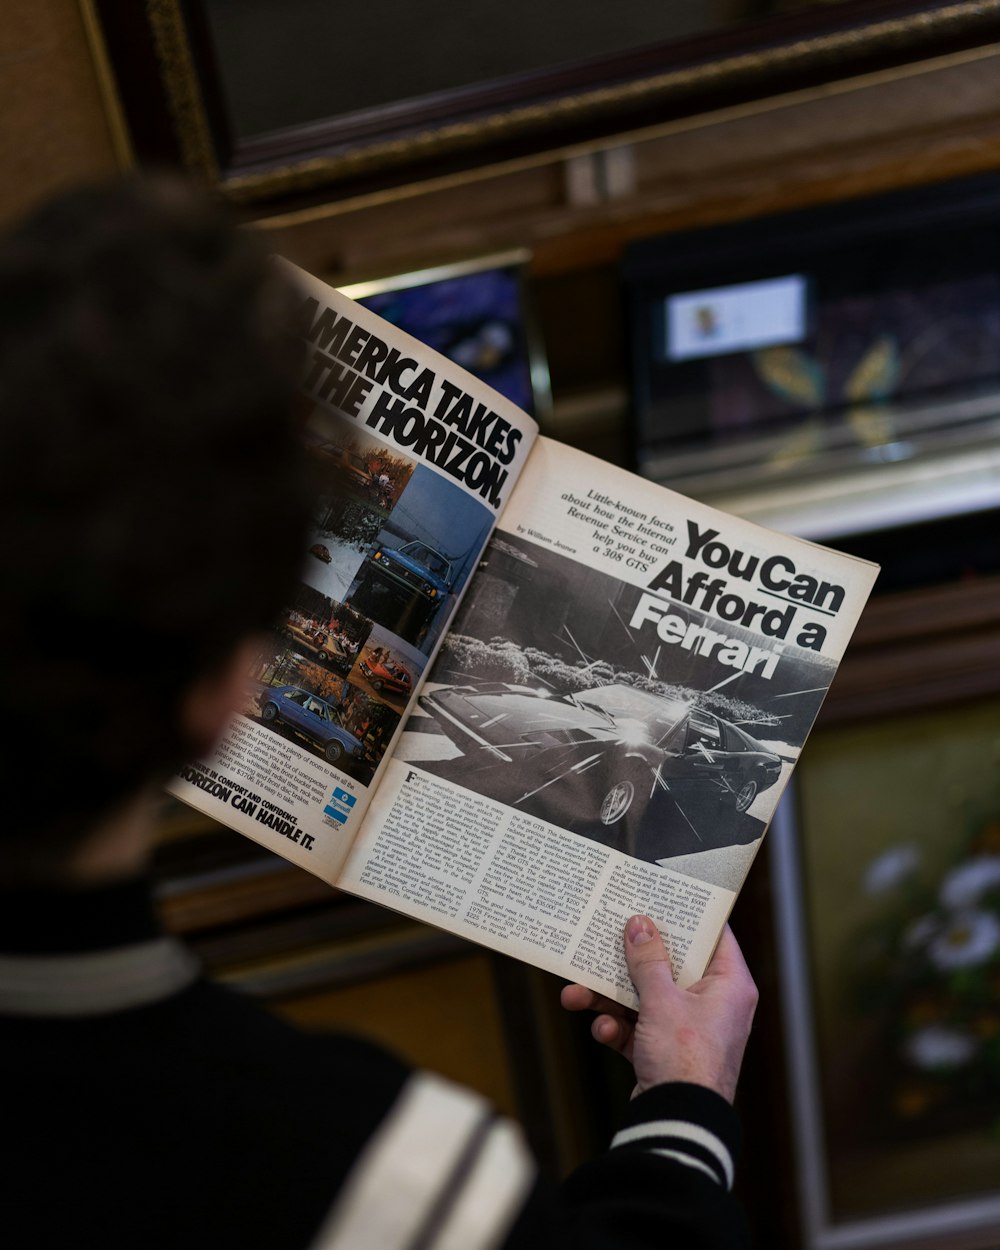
(607, 684)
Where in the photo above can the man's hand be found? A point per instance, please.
(697, 1035)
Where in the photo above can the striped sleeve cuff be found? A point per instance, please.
(442, 1172)
(687, 1124)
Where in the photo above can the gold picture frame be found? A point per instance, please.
(162, 83)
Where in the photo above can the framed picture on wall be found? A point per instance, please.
(826, 370)
(886, 871)
(268, 101)
(476, 313)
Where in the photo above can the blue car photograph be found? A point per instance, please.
(312, 718)
(403, 587)
(415, 566)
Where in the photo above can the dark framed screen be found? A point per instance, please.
(860, 332)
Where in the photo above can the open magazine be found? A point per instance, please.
(519, 693)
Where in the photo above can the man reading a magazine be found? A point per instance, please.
(153, 508)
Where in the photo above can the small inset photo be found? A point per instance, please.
(388, 668)
(358, 482)
(301, 700)
(420, 559)
(322, 629)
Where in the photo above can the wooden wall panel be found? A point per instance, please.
(922, 123)
(54, 129)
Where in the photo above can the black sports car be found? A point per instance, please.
(594, 761)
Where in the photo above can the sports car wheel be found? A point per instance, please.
(617, 801)
(270, 711)
(743, 798)
(332, 752)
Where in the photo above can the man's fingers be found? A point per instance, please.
(728, 965)
(613, 1031)
(645, 954)
(728, 958)
(614, 1024)
(579, 998)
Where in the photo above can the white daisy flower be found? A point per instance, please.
(966, 939)
(891, 869)
(965, 885)
(937, 1046)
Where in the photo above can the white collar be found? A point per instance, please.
(95, 982)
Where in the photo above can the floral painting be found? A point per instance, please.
(898, 826)
(929, 969)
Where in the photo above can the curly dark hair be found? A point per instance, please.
(152, 490)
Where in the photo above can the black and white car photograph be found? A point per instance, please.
(546, 699)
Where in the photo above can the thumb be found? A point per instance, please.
(646, 956)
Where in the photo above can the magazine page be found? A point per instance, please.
(609, 724)
(413, 459)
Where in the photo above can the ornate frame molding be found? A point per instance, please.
(377, 149)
